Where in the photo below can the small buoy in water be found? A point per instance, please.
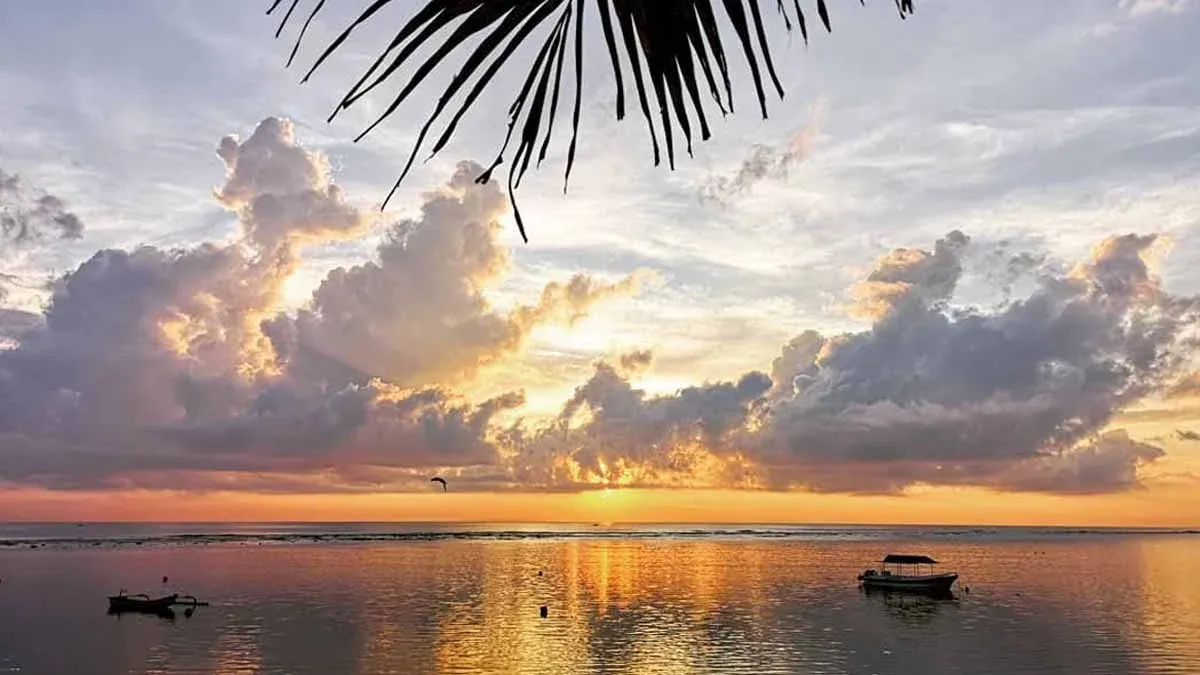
(539, 573)
(164, 578)
(544, 611)
(966, 589)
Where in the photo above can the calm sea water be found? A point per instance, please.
(465, 599)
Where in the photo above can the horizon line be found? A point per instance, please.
(611, 524)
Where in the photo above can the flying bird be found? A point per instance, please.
(439, 479)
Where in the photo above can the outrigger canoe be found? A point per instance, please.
(140, 603)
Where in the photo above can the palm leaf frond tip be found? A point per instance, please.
(671, 49)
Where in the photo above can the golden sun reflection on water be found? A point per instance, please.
(1170, 595)
(1100, 605)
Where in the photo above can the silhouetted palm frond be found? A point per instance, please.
(673, 48)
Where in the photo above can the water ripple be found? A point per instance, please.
(620, 605)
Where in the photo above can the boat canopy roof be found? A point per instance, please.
(900, 559)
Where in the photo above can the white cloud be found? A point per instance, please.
(1143, 7)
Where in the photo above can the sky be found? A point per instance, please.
(950, 279)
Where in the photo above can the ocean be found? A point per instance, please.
(672, 599)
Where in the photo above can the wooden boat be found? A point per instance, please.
(886, 579)
(140, 603)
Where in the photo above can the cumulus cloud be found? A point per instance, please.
(1108, 464)
(764, 163)
(1015, 398)
(610, 433)
(282, 192)
(417, 314)
(908, 277)
(159, 368)
(152, 366)
(287, 428)
(940, 396)
(1187, 435)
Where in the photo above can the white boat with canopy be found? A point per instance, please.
(903, 572)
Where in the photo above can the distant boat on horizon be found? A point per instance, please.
(886, 579)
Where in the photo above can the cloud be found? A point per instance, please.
(156, 367)
(417, 315)
(1108, 464)
(940, 396)
(1187, 386)
(1018, 398)
(288, 428)
(764, 162)
(282, 192)
(1145, 7)
(13, 323)
(29, 217)
(151, 364)
(28, 214)
(905, 277)
(610, 433)
(636, 361)
(1187, 435)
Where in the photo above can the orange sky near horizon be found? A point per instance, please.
(1169, 499)
(1162, 505)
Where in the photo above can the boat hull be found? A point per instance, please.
(125, 603)
(932, 583)
(162, 613)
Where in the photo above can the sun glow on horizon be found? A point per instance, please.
(1165, 506)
